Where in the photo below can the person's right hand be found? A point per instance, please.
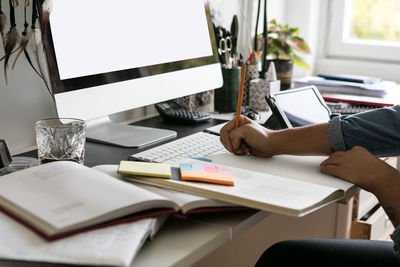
(249, 137)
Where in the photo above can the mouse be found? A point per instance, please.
(252, 115)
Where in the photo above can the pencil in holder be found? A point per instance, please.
(258, 89)
(225, 98)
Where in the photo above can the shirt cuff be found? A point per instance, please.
(335, 134)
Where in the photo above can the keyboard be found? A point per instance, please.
(196, 145)
(346, 108)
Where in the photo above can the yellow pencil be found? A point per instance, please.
(240, 96)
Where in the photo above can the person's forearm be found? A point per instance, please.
(388, 193)
(308, 140)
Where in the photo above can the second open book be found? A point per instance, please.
(289, 185)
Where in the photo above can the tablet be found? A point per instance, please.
(297, 107)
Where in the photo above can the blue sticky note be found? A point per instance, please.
(185, 167)
(198, 168)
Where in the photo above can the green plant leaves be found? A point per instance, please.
(300, 62)
(284, 42)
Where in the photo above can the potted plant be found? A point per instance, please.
(284, 44)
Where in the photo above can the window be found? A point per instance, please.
(376, 20)
(365, 29)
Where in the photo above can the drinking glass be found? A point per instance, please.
(60, 139)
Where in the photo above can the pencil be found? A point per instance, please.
(240, 96)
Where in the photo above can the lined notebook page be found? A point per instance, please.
(115, 245)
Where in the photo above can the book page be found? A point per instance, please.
(186, 201)
(303, 168)
(183, 200)
(260, 191)
(111, 246)
(64, 195)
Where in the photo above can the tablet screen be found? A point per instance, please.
(303, 106)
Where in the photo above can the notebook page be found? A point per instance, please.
(115, 245)
(302, 168)
(62, 194)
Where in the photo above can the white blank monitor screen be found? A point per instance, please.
(93, 43)
(110, 56)
(150, 36)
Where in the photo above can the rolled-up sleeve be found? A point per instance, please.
(378, 131)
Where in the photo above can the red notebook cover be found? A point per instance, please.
(127, 219)
(359, 100)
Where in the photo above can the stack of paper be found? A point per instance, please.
(378, 89)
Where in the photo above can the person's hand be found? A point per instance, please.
(249, 137)
(360, 167)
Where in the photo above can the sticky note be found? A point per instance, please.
(198, 168)
(185, 167)
(145, 169)
(209, 168)
(206, 173)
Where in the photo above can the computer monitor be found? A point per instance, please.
(106, 57)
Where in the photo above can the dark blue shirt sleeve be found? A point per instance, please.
(378, 131)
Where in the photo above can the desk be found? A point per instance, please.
(218, 239)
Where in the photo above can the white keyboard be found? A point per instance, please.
(196, 145)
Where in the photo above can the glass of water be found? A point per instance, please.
(60, 139)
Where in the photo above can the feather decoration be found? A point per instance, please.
(12, 40)
(46, 10)
(22, 46)
(24, 42)
(27, 3)
(14, 3)
(35, 41)
(3, 24)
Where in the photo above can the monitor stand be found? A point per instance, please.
(103, 130)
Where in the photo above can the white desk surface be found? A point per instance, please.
(184, 242)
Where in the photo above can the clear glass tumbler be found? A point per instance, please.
(60, 139)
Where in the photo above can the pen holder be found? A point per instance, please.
(251, 74)
(258, 89)
(226, 97)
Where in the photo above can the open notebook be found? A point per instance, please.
(290, 185)
(62, 198)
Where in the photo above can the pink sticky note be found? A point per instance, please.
(209, 168)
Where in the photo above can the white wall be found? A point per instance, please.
(23, 101)
(305, 15)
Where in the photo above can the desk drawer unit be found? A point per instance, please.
(376, 227)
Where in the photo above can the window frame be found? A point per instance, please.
(342, 46)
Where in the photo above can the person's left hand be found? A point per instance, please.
(360, 167)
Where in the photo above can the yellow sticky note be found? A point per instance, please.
(145, 169)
